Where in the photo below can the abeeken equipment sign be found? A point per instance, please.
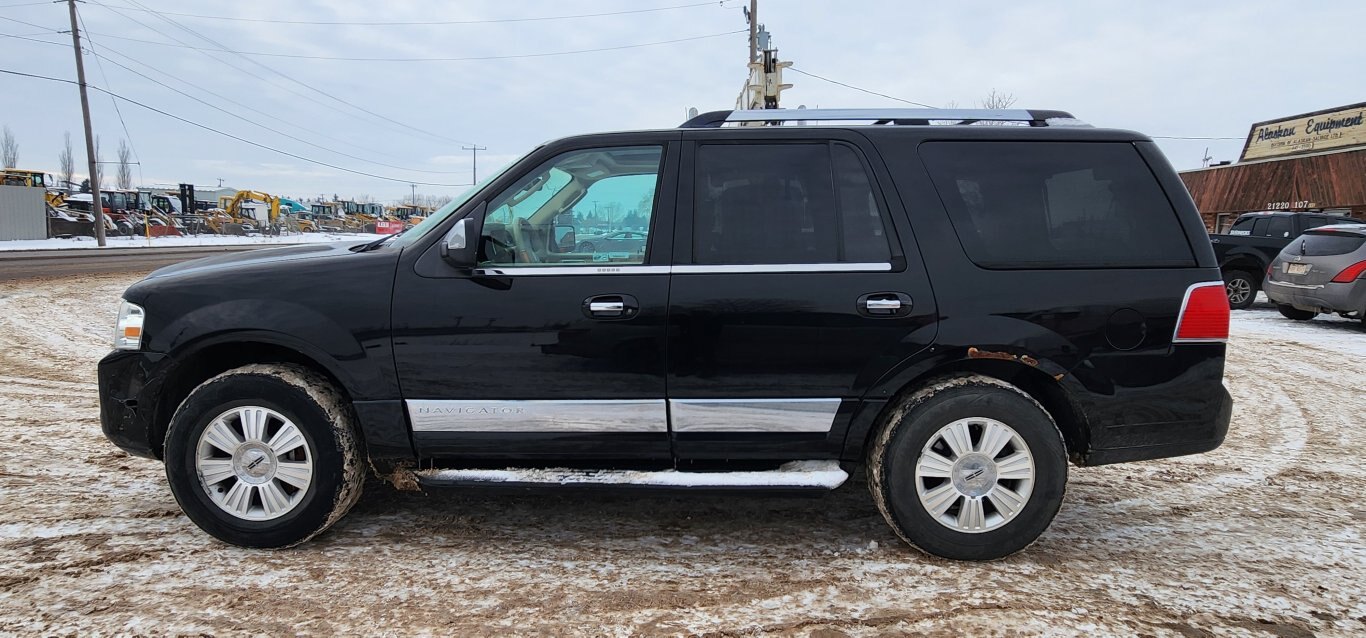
(1335, 128)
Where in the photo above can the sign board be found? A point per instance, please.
(1336, 128)
(388, 228)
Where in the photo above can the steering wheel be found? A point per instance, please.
(521, 234)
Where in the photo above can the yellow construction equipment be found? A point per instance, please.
(232, 216)
(34, 179)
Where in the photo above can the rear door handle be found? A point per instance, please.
(611, 307)
(885, 304)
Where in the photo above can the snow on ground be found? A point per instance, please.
(1262, 537)
(182, 241)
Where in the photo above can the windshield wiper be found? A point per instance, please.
(379, 242)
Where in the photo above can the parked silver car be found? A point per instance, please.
(1323, 270)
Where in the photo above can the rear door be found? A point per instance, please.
(795, 287)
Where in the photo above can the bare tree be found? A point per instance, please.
(998, 100)
(98, 178)
(9, 149)
(125, 176)
(66, 163)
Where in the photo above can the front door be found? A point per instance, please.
(551, 348)
(795, 288)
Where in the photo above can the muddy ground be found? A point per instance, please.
(1261, 537)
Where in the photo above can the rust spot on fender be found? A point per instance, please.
(974, 353)
(1058, 377)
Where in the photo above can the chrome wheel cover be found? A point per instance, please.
(1238, 290)
(974, 475)
(254, 463)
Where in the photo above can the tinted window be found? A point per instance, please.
(1056, 205)
(785, 204)
(1328, 243)
(1279, 227)
(1315, 222)
(1243, 226)
(1262, 227)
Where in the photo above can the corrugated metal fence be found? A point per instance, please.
(22, 214)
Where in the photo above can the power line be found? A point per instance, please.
(229, 100)
(128, 136)
(857, 88)
(460, 59)
(228, 135)
(1178, 137)
(23, 4)
(30, 24)
(429, 22)
(289, 89)
(272, 130)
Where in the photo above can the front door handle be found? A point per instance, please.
(611, 307)
(884, 304)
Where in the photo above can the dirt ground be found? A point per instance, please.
(1260, 537)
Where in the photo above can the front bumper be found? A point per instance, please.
(1329, 297)
(129, 383)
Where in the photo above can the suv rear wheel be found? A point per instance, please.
(1241, 287)
(968, 468)
(264, 456)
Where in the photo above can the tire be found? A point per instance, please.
(979, 404)
(305, 503)
(586, 247)
(1290, 312)
(1241, 288)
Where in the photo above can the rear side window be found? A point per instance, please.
(1326, 243)
(785, 204)
(1280, 227)
(1056, 205)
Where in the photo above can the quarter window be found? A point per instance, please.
(785, 204)
(1056, 205)
(560, 213)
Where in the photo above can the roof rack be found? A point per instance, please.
(905, 117)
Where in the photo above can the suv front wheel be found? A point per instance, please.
(264, 456)
(968, 468)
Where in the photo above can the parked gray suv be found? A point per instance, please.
(1323, 270)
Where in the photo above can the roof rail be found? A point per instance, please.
(912, 117)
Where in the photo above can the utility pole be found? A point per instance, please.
(753, 17)
(474, 166)
(96, 203)
(414, 194)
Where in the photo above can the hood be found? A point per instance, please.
(263, 256)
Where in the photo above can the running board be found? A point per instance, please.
(795, 475)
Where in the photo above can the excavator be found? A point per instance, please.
(241, 214)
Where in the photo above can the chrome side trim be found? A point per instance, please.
(772, 416)
(688, 269)
(591, 416)
(1290, 285)
(685, 269)
(586, 269)
(820, 474)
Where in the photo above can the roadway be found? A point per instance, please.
(30, 264)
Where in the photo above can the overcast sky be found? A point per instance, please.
(1207, 69)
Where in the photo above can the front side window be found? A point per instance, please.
(785, 204)
(571, 211)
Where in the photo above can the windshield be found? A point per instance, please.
(435, 219)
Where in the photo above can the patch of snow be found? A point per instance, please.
(183, 241)
(826, 474)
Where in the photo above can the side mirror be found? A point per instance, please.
(564, 241)
(460, 248)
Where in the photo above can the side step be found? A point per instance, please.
(795, 475)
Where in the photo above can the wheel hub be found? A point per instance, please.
(974, 475)
(254, 463)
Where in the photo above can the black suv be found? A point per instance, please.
(961, 309)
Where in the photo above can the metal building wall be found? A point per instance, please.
(22, 213)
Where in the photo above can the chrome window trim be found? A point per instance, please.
(682, 269)
(768, 416)
(591, 416)
(586, 269)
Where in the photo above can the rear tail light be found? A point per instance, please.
(1204, 314)
(1351, 273)
(1270, 267)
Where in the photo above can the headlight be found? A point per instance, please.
(128, 329)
